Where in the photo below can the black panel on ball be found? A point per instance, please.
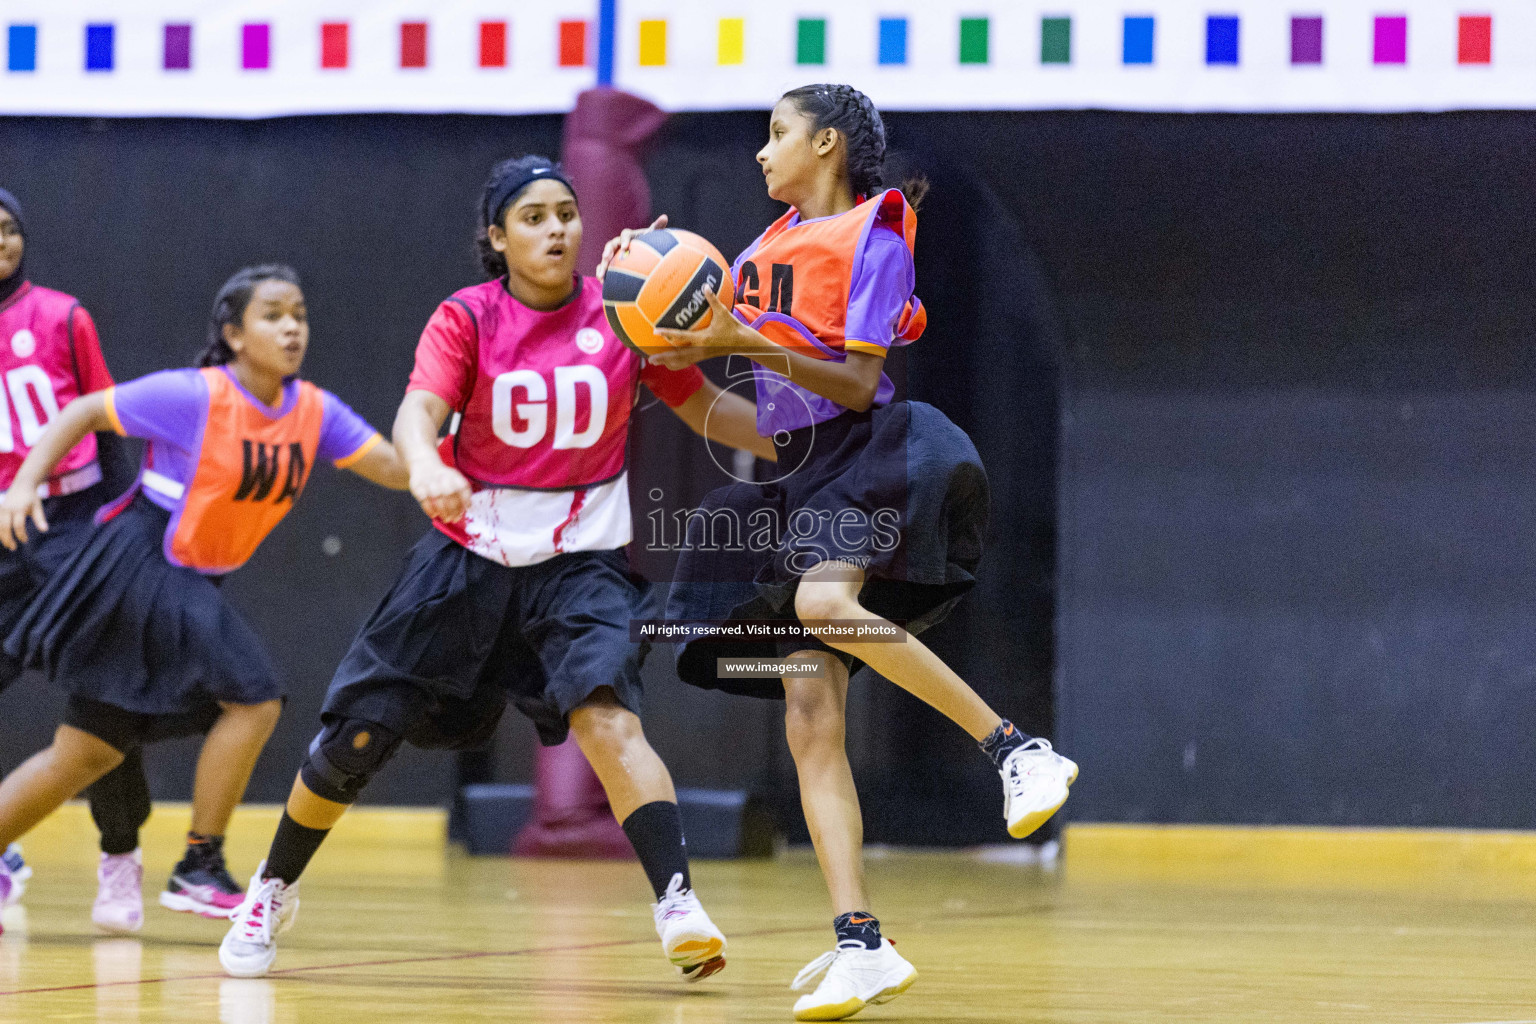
(618, 328)
(663, 241)
(621, 286)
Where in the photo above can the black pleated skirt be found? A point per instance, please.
(25, 571)
(119, 624)
(898, 490)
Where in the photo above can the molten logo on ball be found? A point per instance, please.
(683, 317)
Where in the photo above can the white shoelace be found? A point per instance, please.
(1016, 777)
(121, 878)
(676, 898)
(256, 923)
(811, 974)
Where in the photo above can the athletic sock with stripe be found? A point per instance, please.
(1002, 741)
(858, 926)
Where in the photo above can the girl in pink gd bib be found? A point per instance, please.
(521, 590)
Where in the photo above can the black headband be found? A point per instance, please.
(496, 203)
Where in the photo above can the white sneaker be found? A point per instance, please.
(269, 909)
(18, 871)
(119, 903)
(688, 937)
(850, 978)
(1035, 782)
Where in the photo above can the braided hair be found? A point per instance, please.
(854, 117)
(230, 304)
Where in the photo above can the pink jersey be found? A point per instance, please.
(49, 355)
(544, 398)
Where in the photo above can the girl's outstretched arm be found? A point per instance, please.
(716, 414)
(383, 466)
(84, 415)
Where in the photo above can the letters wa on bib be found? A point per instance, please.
(135, 619)
(529, 597)
(898, 489)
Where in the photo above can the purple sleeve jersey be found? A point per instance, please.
(345, 436)
(879, 292)
(167, 407)
(882, 283)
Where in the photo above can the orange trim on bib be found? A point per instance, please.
(250, 471)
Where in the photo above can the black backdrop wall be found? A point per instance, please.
(1293, 417)
(143, 219)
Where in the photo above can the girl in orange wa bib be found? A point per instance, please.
(881, 507)
(134, 625)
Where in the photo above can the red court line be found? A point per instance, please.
(440, 958)
(446, 957)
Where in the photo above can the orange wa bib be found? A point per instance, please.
(251, 469)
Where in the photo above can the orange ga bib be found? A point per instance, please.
(793, 287)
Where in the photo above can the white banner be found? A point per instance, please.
(243, 58)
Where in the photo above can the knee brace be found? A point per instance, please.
(345, 756)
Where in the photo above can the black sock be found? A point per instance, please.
(1002, 741)
(202, 850)
(292, 848)
(656, 833)
(858, 926)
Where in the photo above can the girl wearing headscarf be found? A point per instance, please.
(50, 355)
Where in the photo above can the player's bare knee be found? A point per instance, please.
(813, 715)
(810, 735)
(818, 602)
(603, 726)
(257, 717)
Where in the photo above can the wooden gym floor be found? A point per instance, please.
(396, 928)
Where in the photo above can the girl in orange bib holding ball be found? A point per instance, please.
(134, 625)
(881, 507)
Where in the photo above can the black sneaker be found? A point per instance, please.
(202, 885)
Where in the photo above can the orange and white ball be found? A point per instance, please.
(660, 282)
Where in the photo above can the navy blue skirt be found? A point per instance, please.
(120, 625)
(459, 635)
(899, 491)
(25, 571)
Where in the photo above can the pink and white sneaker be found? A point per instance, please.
(119, 906)
(12, 880)
(270, 907)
